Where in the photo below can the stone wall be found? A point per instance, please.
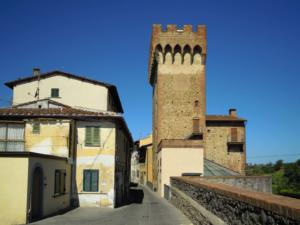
(218, 135)
(213, 203)
(251, 183)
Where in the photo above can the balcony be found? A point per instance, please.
(234, 140)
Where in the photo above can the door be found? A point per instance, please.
(37, 194)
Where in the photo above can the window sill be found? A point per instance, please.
(58, 195)
(92, 146)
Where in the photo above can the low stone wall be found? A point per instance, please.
(206, 202)
(252, 183)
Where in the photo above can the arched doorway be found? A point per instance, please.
(37, 194)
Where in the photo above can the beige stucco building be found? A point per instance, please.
(67, 155)
(69, 89)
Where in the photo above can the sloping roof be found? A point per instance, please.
(112, 88)
(66, 113)
(44, 99)
(223, 118)
(52, 112)
(213, 169)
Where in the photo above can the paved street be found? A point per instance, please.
(148, 208)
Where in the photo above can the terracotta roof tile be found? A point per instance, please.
(54, 112)
(223, 118)
(70, 113)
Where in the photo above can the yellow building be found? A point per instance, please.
(61, 156)
(145, 160)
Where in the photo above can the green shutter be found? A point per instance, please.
(86, 180)
(88, 136)
(96, 136)
(94, 183)
(90, 180)
(36, 128)
(92, 136)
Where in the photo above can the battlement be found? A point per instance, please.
(171, 28)
(176, 45)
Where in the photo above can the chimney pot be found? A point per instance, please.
(232, 112)
(36, 72)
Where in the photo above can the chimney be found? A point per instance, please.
(36, 72)
(232, 112)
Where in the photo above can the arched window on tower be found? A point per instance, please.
(177, 55)
(187, 55)
(158, 54)
(197, 55)
(168, 54)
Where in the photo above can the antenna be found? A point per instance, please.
(37, 72)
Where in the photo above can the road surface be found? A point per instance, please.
(147, 208)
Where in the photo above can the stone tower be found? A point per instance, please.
(177, 74)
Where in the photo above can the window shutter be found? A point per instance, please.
(62, 181)
(234, 134)
(86, 180)
(88, 136)
(94, 181)
(96, 136)
(57, 181)
(36, 128)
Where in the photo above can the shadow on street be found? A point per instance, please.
(136, 196)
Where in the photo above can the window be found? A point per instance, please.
(92, 136)
(11, 137)
(196, 125)
(36, 128)
(90, 180)
(234, 134)
(60, 182)
(54, 92)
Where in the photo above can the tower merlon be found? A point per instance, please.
(172, 28)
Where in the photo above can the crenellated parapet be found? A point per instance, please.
(175, 45)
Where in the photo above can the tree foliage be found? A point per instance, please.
(285, 176)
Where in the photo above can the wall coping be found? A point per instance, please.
(285, 206)
(30, 154)
(180, 143)
(233, 177)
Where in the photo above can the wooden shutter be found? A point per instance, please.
(88, 136)
(86, 180)
(234, 134)
(57, 182)
(96, 136)
(36, 128)
(94, 183)
(63, 181)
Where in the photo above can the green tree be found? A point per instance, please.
(278, 165)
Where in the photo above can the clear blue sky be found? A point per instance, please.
(252, 63)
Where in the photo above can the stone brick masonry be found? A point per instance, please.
(232, 205)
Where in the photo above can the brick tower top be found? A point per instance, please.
(175, 40)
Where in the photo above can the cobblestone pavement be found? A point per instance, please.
(148, 209)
